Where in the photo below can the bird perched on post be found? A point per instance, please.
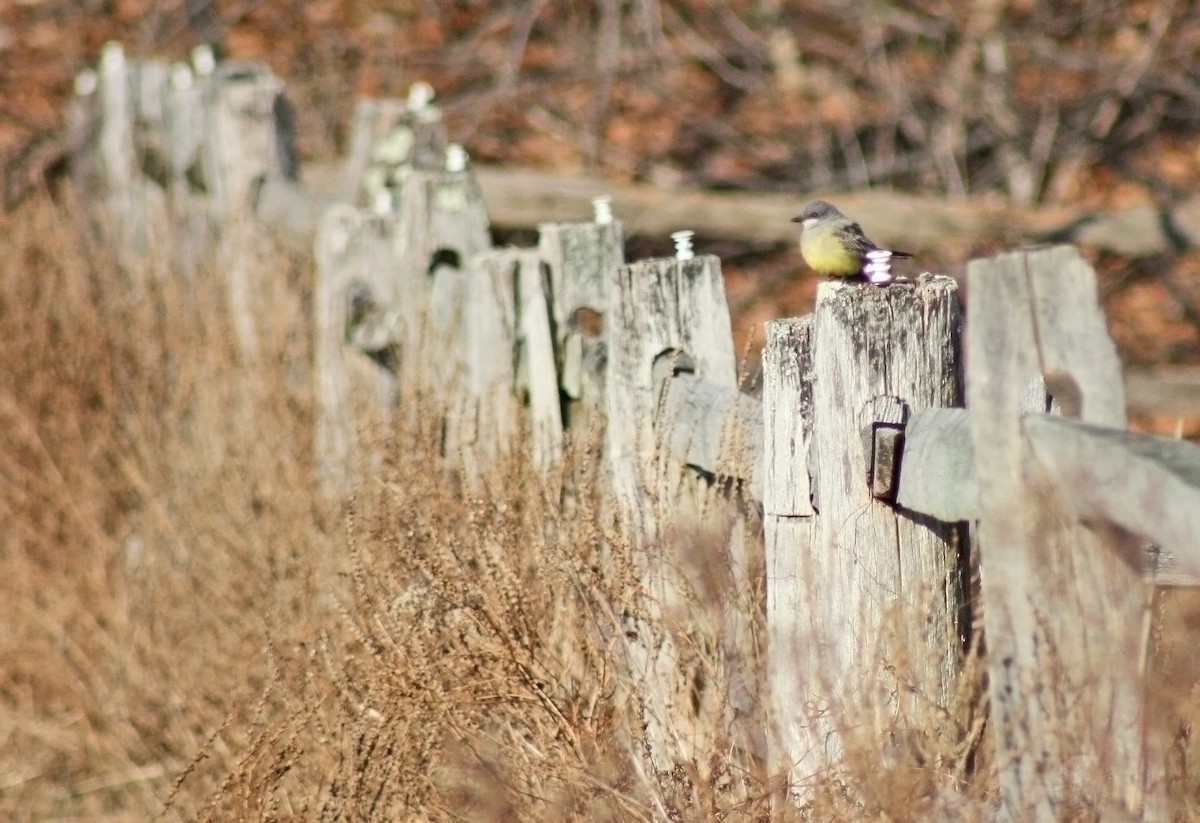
(834, 245)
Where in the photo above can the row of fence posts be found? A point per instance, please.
(411, 300)
(175, 153)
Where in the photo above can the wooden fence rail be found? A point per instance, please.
(882, 434)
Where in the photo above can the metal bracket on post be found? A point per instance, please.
(886, 418)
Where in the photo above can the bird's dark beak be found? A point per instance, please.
(797, 219)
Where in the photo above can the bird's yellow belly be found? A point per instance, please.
(826, 254)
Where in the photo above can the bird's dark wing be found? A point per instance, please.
(855, 239)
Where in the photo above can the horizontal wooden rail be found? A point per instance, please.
(714, 429)
(1159, 477)
(1171, 391)
(1145, 484)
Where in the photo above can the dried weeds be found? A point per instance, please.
(191, 631)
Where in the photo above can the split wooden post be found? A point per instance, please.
(661, 308)
(508, 362)
(441, 224)
(579, 260)
(356, 286)
(248, 138)
(107, 163)
(483, 422)
(184, 130)
(1063, 610)
(250, 135)
(866, 599)
(118, 157)
(788, 529)
(537, 367)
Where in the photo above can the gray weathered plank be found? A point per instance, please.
(537, 369)
(1063, 613)
(526, 198)
(529, 196)
(937, 468)
(484, 421)
(787, 415)
(713, 429)
(1147, 485)
(1171, 390)
(787, 526)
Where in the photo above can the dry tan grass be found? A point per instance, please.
(190, 632)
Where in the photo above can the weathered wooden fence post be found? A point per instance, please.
(355, 288)
(787, 531)
(118, 159)
(415, 282)
(185, 134)
(484, 420)
(537, 367)
(710, 448)
(164, 148)
(864, 599)
(107, 165)
(662, 308)
(441, 224)
(579, 260)
(509, 362)
(249, 137)
(1063, 603)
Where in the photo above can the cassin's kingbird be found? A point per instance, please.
(832, 244)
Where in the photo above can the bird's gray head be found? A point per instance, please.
(817, 211)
